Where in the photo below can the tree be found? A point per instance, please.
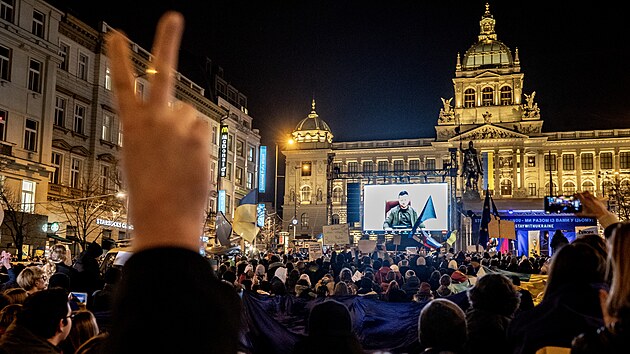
(17, 221)
(88, 204)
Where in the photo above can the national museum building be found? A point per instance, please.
(325, 181)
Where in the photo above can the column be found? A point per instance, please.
(560, 169)
(497, 174)
(578, 169)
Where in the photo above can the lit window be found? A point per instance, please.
(568, 188)
(306, 168)
(250, 180)
(506, 95)
(239, 148)
(28, 196)
(606, 161)
(251, 153)
(305, 195)
(587, 161)
(506, 187)
(487, 96)
(108, 79)
(469, 98)
(568, 162)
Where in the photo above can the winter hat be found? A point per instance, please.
(281, 273)
(331, 319)
(394, 268)
(413, 281)
(307, 278)
(421, 261)
(410, 273)
(458, 277)
(425, 288)
(260, 270)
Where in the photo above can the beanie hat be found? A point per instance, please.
(425, 288)
(306, 278)
(452, 264)
(394, 268)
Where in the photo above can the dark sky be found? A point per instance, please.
(378, 69)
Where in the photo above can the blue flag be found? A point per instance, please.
(428, 212)
(250, 198)
(485, 220)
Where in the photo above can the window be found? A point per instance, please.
(531, 161)
(487, 96)
(122, 235)
(568, 188)
(79, 118)
(568, 162)
(506, 95)
(587, 161)
(35, 76)
(251, 153)
(104, 179)
(306, 168)
(368, 167)
(139, 89)
(588, 186)
(5, 62)
(335, 219)
(531, 187)
(505, 161)
(82, 68)
(56, 161)
(605, 160)
(60, 111)
(64, 51)
(469, 98)
(215, 138)
(337, 194)
(624, 159)
(552, 192)
(228, 204)
(75, 173)
(238, 174)
(399, 166)
(28, 196)
(107, 127)
(550, 163)
(506, 187)
(6, 10)
(304, 220)
(230, 142)
(120, 134)
(305, 195)
(414, 167)
(4, 115)
(239, 148)
(383, 167)
(250, 180)
(430, 164)
(353, 168)
(38, 24)
(108, 79)
(228, 173)
(30, 135)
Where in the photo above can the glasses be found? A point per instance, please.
(71, 316)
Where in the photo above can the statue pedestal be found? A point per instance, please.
(471, 195)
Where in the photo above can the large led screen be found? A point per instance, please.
(399, 206)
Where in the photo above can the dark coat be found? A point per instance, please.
(19, 340)
(604, 340)
(485, 330)
(560, 317)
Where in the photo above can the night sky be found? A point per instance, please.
(377, 70)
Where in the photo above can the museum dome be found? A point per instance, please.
(488, 51)
(312, 129)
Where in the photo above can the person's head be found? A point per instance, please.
(329, 318)
(341, 289)
(32, 279)
(58, 253)
(59, 280)
(393, 285)
(410, 273)
(112, 276)
(494, 293)
(94, 345)
(442, 326)
(345, 275)
(47, 315)
(618, 302)
(597, 242)
(445, 280)
(421, 261)
(403, 199)
(4, 301)
(391, 276)
(84, 327)
(424, 292)
(16, 295)
(576, 264)
(8, 314)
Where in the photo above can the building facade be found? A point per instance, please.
(60, 133)
(522, 163)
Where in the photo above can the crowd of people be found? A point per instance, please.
(584, 308)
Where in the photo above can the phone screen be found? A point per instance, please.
(562, 204)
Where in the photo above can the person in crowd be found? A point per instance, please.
(303, 289)
(341, 289)
(558, 240)
(84, 327)
(493, 301)
(403, 266)
(422, 270)
(16, 295)
(58, 262)
(513, 265)
(8, 315)
(346, 276)
(394, 293)
(391, 276)
(380, 276)
(32, 279)
(424, 293)
(367, 286)
(95, 345)
(274, 264)
(442, 327)
(613, 336)
(278, 286)
(87, 276)
(570, 304)
(434, 280)
(42, 324)
(444, 289)
(411, 286)
(167, 196)
(399, 277)
(527, 300)
(329, 329)
(294, 276)
(101, 300)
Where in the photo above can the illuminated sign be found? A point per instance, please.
(223, 149)
(221, 202)
(262, 169)
(116, 224)
(260, 215)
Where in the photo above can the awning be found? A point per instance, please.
(58, 238)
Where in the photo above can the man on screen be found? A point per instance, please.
(402, 216)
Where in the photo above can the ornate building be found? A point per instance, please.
(488, 108)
